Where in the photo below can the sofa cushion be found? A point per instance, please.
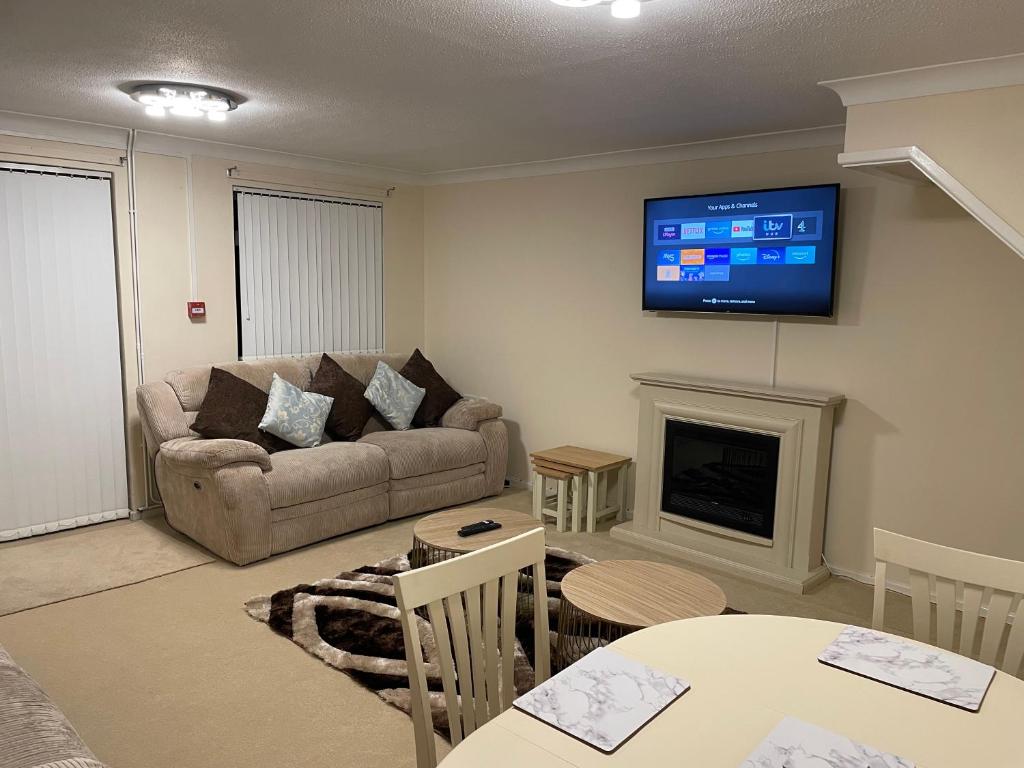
(362, 365)
(437, 478)
(327, 470)
(296, 416)
(350, 410)
(394, 396)
(433, 449)
(439, 397)
(232, 409)
(191, 384)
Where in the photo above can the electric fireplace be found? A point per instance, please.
(722, 476)
(733, 476)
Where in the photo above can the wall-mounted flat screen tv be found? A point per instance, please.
(763, 252)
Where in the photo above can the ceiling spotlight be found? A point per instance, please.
(626, 9)
(184, 101)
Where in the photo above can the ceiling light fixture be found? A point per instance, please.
(621, 9)
(184, 101)
(626, 9)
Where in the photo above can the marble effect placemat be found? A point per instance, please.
(602, 699)
(796, 744)
(932, 672)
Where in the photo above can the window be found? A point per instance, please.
(309, 274)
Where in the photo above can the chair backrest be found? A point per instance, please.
(979, 582)
(471, 600)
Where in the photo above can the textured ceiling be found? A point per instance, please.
(430, 85)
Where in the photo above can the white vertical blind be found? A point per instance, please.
(310, 274)
(62, 446)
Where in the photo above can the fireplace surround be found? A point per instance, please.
(733, 476)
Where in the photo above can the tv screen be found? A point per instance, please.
(764, 252)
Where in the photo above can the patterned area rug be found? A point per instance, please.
(351, 623)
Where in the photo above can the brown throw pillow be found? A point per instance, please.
(440, 396)
(351, 410)
(233, 409)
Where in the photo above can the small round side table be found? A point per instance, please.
(604, 601)
(436, 537)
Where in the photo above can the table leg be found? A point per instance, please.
(623, 479)
(538, 496)
(577, 501)
(591, 501)
(563, 492)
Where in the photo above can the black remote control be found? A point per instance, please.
(474, 528)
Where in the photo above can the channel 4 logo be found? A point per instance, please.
(777, 227)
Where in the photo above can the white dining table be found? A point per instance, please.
(747, 673)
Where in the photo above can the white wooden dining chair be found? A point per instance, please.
(978, 582)
(471, 602)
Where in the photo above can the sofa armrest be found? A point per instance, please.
(162, 416)
(208, 455)
(468, 412)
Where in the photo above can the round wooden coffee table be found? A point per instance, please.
(436, 538)
(604, 601)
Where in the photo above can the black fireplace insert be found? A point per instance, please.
(722, 476)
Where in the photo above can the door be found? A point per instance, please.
(62, 439)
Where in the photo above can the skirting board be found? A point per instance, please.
(625, 532)
(64, 525)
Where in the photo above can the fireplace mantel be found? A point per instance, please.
(754, 391)
(801, 420)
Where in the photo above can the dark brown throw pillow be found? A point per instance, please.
(233, 409)
(440, 396)
(351, 410)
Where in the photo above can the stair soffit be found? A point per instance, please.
(912, 165)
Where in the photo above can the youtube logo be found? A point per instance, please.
(741, 229)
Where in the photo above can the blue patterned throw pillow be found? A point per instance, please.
(394, 396)
(294, 415)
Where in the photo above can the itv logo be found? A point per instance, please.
(776, 227)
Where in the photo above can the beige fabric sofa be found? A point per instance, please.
(245, 504)
(33, 732)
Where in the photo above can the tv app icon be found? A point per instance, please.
(743, 229)
(775, 227)
(718, 230)
(668, 231)
(805, 225)
(668, 258)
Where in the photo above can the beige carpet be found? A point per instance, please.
(59, 566)
(171, 672)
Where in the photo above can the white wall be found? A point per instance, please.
(533, 299)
